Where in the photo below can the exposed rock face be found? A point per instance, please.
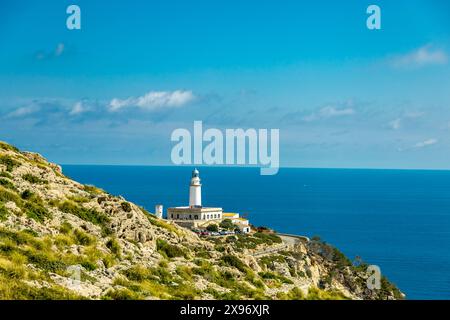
(62, 239)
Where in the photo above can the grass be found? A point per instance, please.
(6, 175)
(93, 190)
(233, 261)
(35, 210)
(6, 196)
(9, 162)
(90, 215)
(158, 282)
(241, 242)
(25, 247)
(268, 261)
(3, 212)
(33, 179)
(7, 184)
(15, 289)
(160, 223)
(274, 276)
(8, 147)
(169, 250)
(32, 206)
(83, 238)
(113, 245)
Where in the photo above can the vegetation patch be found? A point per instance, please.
(113, 245)
(8, 147)
(9, 162)
(126, 206)
(36, 210)
(6, 175)
(90, 215)
(3, 212)
(7, 184)
(93, 190)
(31, 178)
(233, 261)
(169, 250)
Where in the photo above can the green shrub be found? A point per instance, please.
(27, 194)
(212, 227)
(318, 294)
(268, 238)
(275, 276)
(6, 196)
(33, 179)
(161, 223)
(227, 224)
(137, 273)
(269, 260)
(83, 238)
(35, 209)
(113, 245)
(92, 190)
(65, 227)
(8, 147)
(9, 162)
(126, 206)
(7, 184)
(90, 215)
(121, 294)
(45, 261)
(6, 175)
(79, 199)
(184, 272)
(169, 250)
(233, 261)
(88, 265)
(3, 212)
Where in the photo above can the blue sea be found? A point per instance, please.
(396, 219)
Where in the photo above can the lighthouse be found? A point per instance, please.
(195, 190)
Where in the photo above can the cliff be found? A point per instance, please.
(60, 239)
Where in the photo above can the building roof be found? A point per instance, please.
(193, 210)
(230, 214)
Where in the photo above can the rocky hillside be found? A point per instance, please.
(60, 239)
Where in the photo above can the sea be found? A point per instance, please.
(396, 219)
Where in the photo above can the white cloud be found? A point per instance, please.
(57, 52)
(425, 143)
(59, 49)
(23, 111)
(154, 100)
(423, 56)
(329, 112)
(395, 124)
(77, 108)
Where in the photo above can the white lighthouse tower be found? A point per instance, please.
(195, 191)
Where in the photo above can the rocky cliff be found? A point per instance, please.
(60, 239)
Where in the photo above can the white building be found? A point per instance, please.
(242, 223)
(195, 211)
(159, 211)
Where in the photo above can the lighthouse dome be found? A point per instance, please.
(195, 173)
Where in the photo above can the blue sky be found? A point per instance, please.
(341, 95)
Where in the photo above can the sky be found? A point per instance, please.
(340, 94)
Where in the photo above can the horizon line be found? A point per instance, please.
(254, 167)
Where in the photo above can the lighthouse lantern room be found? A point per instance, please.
(195, 190)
